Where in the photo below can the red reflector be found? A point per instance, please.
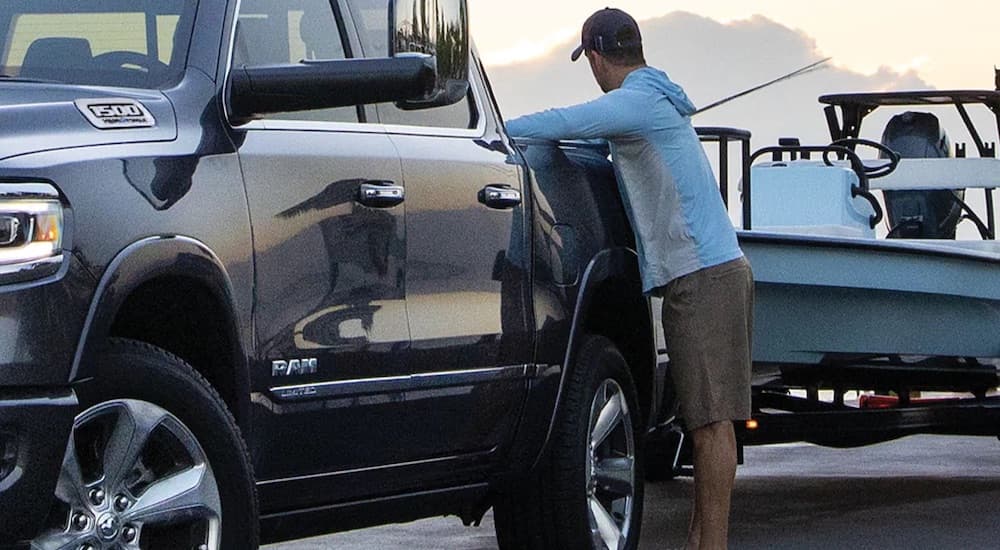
(878, 401)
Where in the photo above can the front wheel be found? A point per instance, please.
(587, 492)
(154, 461)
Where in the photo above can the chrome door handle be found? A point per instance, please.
(381, 194)
(500, 197)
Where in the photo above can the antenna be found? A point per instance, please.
(996, 71)
(794, 74)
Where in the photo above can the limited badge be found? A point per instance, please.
(115, 113)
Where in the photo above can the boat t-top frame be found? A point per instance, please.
(854, 107)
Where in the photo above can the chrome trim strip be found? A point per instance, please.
(368, 469)
(422, 381)
(438, 131)
(314, 126)
(229, 65)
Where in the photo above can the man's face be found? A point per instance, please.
(599, 67)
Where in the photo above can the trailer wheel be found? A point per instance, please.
(587, 492)
(155, 460)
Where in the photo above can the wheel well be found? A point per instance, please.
(617, 310)
(183, 317)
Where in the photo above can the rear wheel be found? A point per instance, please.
(155, 461)
(587, 492)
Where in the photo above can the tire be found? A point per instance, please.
(155, 461)
(578, 499)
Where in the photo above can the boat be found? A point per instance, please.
(862, 288)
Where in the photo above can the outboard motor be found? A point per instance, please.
(920, 214)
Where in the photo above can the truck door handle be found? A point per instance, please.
(381, 194)
(500, 197)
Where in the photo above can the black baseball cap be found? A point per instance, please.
(608, 30)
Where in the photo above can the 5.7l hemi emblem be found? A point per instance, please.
(294, 367)
(115, 113)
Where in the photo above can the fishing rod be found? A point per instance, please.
(804, 70)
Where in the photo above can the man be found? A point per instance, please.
(688, 252)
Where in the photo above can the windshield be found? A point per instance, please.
(131, 43)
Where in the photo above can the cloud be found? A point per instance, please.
(711, 60)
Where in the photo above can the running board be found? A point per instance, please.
(458, 501)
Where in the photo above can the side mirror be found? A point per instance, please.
(428, 66)
(438, 29)
(309, 85)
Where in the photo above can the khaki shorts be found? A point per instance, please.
(708, 323)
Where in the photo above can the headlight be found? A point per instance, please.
(31, 231)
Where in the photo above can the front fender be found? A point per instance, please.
(153, 258)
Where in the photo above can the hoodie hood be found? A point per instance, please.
(649, 78)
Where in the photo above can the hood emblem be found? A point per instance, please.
(115, 113)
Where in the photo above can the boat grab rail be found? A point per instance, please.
(723, 137)
(864, 173)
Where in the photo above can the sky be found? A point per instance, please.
(948, 47)
(714, 48)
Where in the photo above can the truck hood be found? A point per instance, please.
(37, 117)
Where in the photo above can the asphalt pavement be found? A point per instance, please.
(919, 492)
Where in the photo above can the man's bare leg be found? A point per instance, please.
(694, 528)
(714, 475)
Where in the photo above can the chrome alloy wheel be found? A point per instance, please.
(133, 477)
(611, 468)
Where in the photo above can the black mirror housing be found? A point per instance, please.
(309, 85)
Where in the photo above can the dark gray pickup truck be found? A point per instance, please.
(272, 268)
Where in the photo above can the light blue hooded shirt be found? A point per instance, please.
(666, 182)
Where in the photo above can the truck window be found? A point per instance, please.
(289, 31)
(97, 42)
(372, 19)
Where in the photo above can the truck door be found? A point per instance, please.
(466, 274)
(326, 204)
(466, 280)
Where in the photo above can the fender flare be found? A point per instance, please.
(148, 259)
(606, 264)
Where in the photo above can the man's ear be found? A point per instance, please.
(597, 60)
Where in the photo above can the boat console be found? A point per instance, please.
(925, 198)
(828, 190)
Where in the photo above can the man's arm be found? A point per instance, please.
(609, 116)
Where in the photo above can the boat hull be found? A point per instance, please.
(820, 297)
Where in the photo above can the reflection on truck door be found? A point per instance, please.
(329, 269)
